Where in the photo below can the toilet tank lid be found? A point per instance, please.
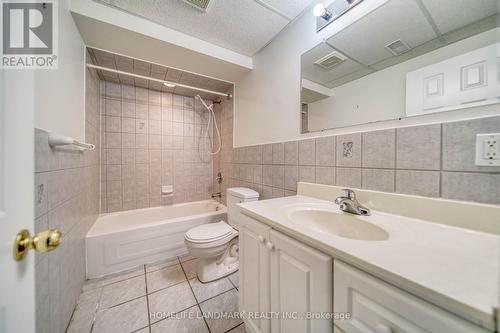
(242, 192)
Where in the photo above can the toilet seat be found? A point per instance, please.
(210, 233)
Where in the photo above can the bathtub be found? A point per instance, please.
(124, 240)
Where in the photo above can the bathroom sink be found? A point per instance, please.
(332, 222)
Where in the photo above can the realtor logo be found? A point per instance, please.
(29, 37)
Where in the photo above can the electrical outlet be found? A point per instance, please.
(488, 149)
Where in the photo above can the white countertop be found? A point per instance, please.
(454, 268)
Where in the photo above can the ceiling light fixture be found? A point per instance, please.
(168, 84)
(326, 15)
(320, 11)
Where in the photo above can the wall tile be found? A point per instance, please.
(128, 140)
(425, 183)
(113, 156)
(307, 174)
(128, 109)
(41, 198)
(349, 177)
(128, 125)
(325, 151)
(292, 153)
(141, 111)
(278, 153)
(378, 180)
(307, 152)
(141, 95)
(379, 149)
(459, 143)
(267, 178)
(113, 124)
(419, 147)
(128, 93)
(113, 107)
(267, 154)
(278, 176)
(325, 175)
(477, 187)
(141, 141)
(257, 174)
(113, 90)
(348, 150)
(113, 140)
(291, 177)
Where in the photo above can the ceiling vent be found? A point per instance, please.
(202, 5)
(331, 60)
(398, 47)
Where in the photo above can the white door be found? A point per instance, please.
(301, 282)
(17, 287)
(254, 273)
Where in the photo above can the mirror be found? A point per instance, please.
(405, 58)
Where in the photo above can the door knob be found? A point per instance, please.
(44, 241)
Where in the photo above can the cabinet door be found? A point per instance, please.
(301, 282)
(376, 306)
(254, 293)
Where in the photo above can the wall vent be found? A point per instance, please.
(398, 47)
(331, 60)
(202, 5)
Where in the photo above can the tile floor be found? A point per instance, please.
(163, 297)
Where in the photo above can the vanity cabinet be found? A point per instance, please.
(282, 276)
(379, 307)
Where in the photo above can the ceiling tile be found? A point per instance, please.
(315, 73)
(289, 8)
(453, 14)
(243, 26)
(107, 59)
(365, 40)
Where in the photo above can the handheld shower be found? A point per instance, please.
(211, 117)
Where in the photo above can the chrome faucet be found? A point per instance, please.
(350, 204)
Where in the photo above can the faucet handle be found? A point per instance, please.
(349, 193)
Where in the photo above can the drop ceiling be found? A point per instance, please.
(243, 26)
(424, 25)
(135, 66)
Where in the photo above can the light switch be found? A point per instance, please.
(488, 149)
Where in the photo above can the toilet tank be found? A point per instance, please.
(236, 195)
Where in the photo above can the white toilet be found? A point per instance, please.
(216, 244)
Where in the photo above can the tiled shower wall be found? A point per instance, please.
(151, 139)
(431, 160)
(66, 198)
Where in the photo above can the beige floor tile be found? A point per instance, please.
(204, 291)
(161, 264)
(124, 318)
(122, 291)
(182, 323)
(190, 267)
(164, 277)
(227, 302)
(170, 300)
(235, 279)
(238, 329)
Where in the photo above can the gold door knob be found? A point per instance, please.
(44, 241)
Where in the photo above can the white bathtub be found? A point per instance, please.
(124, 240)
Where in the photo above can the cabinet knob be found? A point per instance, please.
(261, 239)
(381, 328)
(270, 246)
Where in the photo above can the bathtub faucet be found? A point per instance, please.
(216, 195)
